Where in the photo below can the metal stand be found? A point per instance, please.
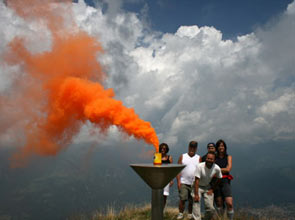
(157, 177)
(157, 204)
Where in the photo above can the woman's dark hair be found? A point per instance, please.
(164, 145)
(218, 144)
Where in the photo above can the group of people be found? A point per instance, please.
(206, 177)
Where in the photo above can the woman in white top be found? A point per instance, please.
(166, 159)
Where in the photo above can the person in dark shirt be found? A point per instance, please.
(223, 192)
(166, 159)
(210, 148)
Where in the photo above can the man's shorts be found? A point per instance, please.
(185, 192)
(223, 189)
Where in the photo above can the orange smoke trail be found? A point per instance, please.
(63, 94)
(47, 10)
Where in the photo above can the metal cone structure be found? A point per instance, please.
(157, 177)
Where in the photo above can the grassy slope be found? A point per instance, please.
(143, 213)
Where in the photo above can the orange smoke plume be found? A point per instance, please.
(63, 88)
(49, 11)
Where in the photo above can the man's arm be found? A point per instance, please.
(180, 160)
(171, 161)
(178, 176)
(196, 190)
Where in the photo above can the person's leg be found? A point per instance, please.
(209, 205)
(190, 200)
(190, 208)
(229, 207)
(166, 194)
(182, 198)
(181, 206)
(219, 205)
(229, 203)
(165, 199)
(196, 208)
(228, 199)
(218, 198)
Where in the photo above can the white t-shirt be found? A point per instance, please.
(188, 173)
(205, 174)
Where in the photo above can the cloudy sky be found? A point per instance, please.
(195, 70)
(202, 71)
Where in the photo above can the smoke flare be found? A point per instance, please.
(63, 87)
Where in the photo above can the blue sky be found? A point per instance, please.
(231, 17)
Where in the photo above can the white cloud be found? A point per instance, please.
(291, 8)
(193, 84)
(285, 103)
(188, 31)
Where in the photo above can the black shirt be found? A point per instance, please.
(167, 161)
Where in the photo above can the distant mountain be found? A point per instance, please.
(84, 178)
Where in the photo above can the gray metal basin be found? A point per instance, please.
(157, 176)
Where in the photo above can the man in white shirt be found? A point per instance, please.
(202, 188)
(186, 177)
